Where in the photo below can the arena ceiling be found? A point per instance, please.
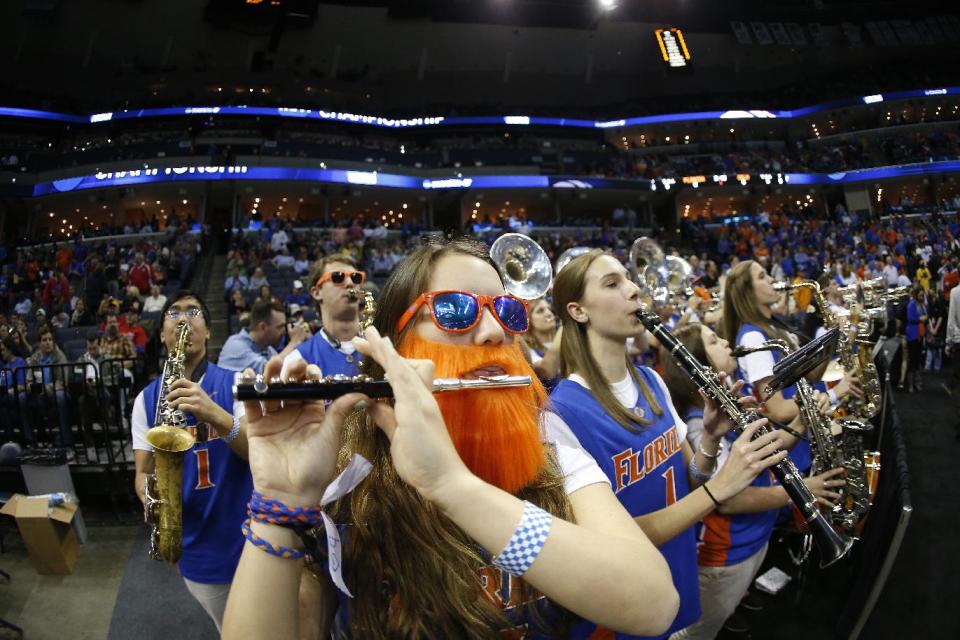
(423, 55)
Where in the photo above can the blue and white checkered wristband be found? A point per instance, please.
(234, 431)
(526, 542)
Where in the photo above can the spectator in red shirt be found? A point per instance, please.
(56, 293)
(140, 274)
(950, 279)
(130, 326)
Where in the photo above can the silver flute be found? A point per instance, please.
(332, 387)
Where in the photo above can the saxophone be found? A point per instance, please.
(860, 361)
(170, 439)
(836, 444)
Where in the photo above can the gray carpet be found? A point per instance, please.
(154, 604)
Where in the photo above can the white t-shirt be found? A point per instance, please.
(279, 240)
(578, 467)
(758, 365)
(536, 357)
(626, 392)
(151, 304)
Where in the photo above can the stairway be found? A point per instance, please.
(211, 288)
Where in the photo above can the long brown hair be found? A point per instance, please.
(683, 391)
(530, 338)
(413, 572)
(740, 305)
(575, 353)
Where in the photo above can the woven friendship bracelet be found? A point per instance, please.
(263, 509)
(526, 542)
(272, 549)
(696, 473)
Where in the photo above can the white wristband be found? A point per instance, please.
(234, 431)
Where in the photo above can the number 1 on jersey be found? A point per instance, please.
(203, 469)
(671, 486)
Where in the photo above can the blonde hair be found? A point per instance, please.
(575, 353)
(529, 338)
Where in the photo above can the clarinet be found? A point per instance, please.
(832, 545)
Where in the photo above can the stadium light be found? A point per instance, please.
(608, 5)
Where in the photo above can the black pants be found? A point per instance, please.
(955, 382)
(914, 356)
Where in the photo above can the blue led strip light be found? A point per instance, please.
(433, 121)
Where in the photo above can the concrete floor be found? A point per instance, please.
(76, 607)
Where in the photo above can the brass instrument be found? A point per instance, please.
(830, 319)
(567, 256)
(523, 265)
(836, 444)
(368, 306)
(858, 362)
(170, 439)
(663, 278)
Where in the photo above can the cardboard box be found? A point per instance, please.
(48, 535)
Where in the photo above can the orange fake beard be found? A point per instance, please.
(495, 431)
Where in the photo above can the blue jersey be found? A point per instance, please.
(331, 360)
(727, 540)
(800, 453)
(216, 489)
(647, 472)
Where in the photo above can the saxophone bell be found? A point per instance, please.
(163, 491)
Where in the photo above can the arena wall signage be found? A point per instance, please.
(397, 181)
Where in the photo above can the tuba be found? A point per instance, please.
(523, 265)
(664, 278)
(567, 256)
(170, 439)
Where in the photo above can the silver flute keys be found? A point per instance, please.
(334, 386)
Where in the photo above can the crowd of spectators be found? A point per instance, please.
(79, 286)
(86, 302)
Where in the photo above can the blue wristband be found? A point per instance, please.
(526, 542)
(696, 473)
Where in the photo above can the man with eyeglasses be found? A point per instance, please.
(331, 348)
(216, 476)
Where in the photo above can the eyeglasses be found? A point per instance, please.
(459, 311)
(339, 277)
(175, 314)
